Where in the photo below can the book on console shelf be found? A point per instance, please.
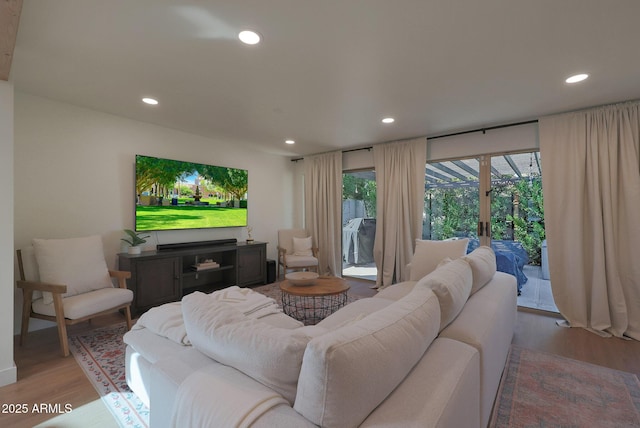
(206, 265)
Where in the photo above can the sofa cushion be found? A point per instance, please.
(301, 261)
(349, 371)
(428, 254)
(353, 312)
(441, 391)
(451, 283)
(396, 291)
(85, 304)
(487, 324)
(483, 266)
(268, 354)
(78, 263)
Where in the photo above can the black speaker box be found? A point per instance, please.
(271, 271)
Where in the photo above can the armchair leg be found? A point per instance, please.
(127, 315)
(26, 312)
(62, 326)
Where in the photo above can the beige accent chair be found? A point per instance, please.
(296, 257)
(66, 281)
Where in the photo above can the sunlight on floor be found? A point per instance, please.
(363, 272)
(536, 292)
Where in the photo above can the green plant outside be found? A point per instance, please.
(186, 217)
(517, 213)
(529, 223)
(451, 212)
(360, 189)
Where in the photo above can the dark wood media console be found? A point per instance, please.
(167, 274)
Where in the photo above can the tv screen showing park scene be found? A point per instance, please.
(172, 195)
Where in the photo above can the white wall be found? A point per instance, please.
(75, 176)
(501, 140)
(8, 373)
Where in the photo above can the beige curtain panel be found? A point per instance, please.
(400, 169)
(591, 186)
(323, 209)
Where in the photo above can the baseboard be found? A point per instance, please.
(9, 375)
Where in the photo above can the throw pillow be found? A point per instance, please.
(451, 283)
(349, 371)
(78, 263)
(302, 246)
(268, 354)
(428, 254)
(483, 265)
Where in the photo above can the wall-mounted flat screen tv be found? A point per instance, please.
(172, 195)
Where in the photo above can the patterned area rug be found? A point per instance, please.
(545, 390)
(100, 353)
(271, 290)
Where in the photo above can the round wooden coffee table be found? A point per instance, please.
(313, 303)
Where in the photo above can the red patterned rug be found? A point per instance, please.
(101, 354)
(545, 390)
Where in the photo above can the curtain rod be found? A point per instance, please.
(344, 151)
(471, 131)
(484, 130)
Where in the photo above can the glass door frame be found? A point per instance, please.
(484, 193)
(366, 271)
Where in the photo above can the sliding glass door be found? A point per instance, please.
(494, 200)
(358, 224)
(452, 200)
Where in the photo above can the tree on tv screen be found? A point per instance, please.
(233, 181)
(159, 175)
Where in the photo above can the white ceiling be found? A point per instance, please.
(328, 71)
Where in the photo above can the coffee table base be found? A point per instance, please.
(312, 309)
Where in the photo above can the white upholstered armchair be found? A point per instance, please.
(67, 281)
(296, 251)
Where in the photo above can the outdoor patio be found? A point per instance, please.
(536, 293)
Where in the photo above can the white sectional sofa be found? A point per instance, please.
(423, 353)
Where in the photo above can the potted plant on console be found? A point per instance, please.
(134, 239)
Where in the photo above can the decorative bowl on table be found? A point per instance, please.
(302, 278)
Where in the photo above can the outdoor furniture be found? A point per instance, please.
(511, 258)
(358, 236)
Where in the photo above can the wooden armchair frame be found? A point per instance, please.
(57, 290)
(282, 261)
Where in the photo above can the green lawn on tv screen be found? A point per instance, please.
(188, 217)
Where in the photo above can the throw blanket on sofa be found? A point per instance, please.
(166, 320)
(247, 301)
(215, 396)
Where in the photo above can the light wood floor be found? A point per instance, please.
(44, 376)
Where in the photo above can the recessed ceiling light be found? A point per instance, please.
(249, 37)
(577, 78)
(290, 142)
(150, 101)
(388, 120)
